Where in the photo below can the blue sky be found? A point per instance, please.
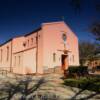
(19, 17)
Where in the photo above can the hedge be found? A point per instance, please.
(78, 70)
(92, 84)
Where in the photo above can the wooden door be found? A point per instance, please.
(64, 59)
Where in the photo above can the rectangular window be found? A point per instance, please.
(7, 53)
(28, 43)
(32, 41)
(54, 57)
(19, 60)
(15, 61)
(73, 58)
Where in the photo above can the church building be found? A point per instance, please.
(53, 46)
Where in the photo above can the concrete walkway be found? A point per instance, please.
(40, 88)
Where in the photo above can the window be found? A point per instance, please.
(7, 53)
(36, 39)
(28, 42)
(24, 44)
(54, 57)
(70, 59)
(96, 63)
(73, 58)
(39, 36)
(19, 60)
(32, 40)
(15, 61)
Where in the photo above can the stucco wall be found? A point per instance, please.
(5, 56)
(24, 54)
(18, 44)
(26, 50)
(29, 61)
(40, 52)
(52, 43)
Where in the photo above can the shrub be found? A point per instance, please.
(79, 71)
(83, 70)
(71, 82)
(98, 68)
(73, 69)
(92, 84)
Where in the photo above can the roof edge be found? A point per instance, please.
(49, 23)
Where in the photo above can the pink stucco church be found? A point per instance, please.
(52, 46)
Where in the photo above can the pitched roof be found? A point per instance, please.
(36, 30)
(6, 42)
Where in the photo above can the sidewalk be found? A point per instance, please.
(50, 85)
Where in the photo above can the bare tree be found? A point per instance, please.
(86, 51)
(95, 27)
(76, 4)
(95, 30)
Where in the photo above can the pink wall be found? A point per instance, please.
(52, 42)
(5, 57)
(24, 54)
(25, 51)
(40, 52)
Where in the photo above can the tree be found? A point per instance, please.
(95, 27)
(86, 51)
(95, 30)
(76, 4)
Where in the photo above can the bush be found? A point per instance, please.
(83, 70)
(92, 84)
(79, 71)
(98, 68)
(71, 82)
(73, 69)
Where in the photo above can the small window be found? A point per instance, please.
(39, 36)
(54, 57)
(15, 61)
(96, 63)
(73, 58)
(7, 53)
(19, 60)
(36, 39)
(31, 40)
(70, 59)
(28, 42)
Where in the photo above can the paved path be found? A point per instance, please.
(48, 86)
